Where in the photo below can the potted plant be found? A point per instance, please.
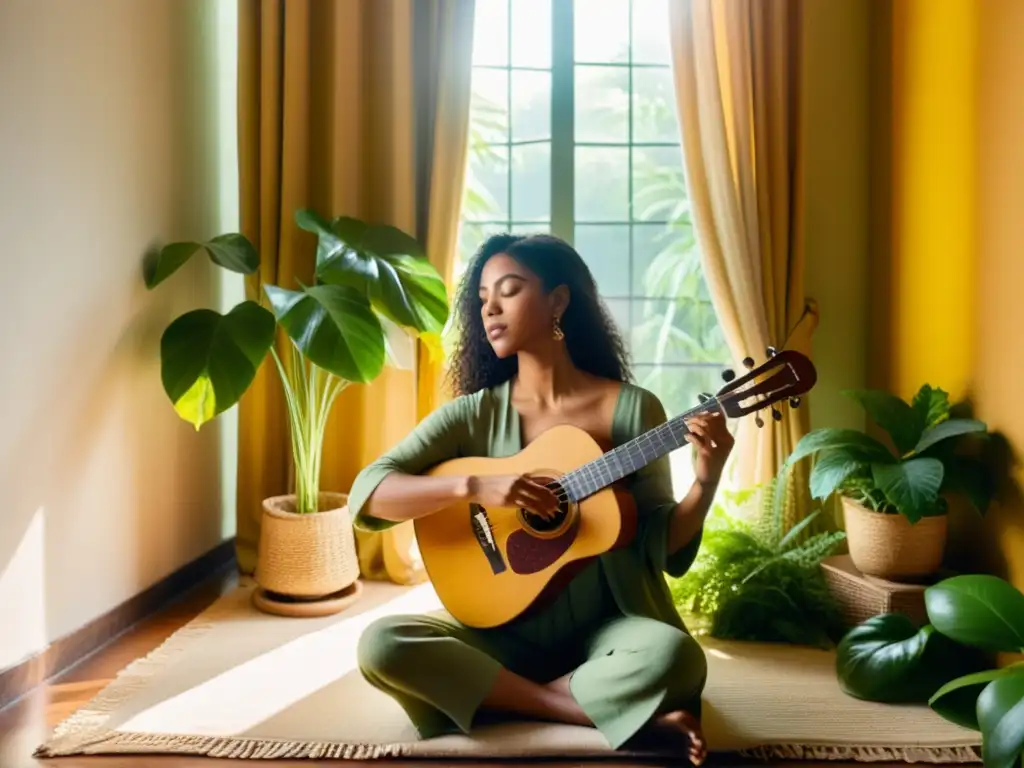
(896, 499)
(369, 282)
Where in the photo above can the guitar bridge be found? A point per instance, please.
(484, 532)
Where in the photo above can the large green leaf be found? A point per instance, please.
(892, 414)
(208, 360)
(979, 610)
(1001, 717)
(851, 443)
(386, 263)
(931, 405)
(957, 700)
(947, 429)
(829, 472)
(911, 486)
(334, 327)
(231, 251)
(888, 658)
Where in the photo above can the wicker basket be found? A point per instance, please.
(306, 557)
(890, 546)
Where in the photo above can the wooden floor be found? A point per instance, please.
(27, 723)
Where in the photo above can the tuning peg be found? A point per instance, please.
(772, 352)
(758, 420)
(748, 362)
(776, 414)
(728, 374)
(703, 397)
(794, 402)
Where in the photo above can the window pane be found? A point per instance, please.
(531, 228)
(602, 184)
(489, 108)
(683, 329)
(490, 33)
(531, 105)
(602, 104)
(671, 330)
(659, 188)
(601, 29)
(605, 248)
(531, 33)
(531, 182)
(654, 106)
(486, 195)
(471, 236)
(678, 386)
(619, 310)
(650, 32)
(665, 260)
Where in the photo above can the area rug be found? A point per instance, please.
(242, 684)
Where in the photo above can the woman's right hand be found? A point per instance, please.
(513, 491)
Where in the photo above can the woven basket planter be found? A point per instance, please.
(306, 557)
(890, 546)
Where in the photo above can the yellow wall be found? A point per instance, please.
(999, 255)
(933, 182)
(109, 140)
(946, 222)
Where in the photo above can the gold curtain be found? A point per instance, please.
(358, 108)
(736, 67)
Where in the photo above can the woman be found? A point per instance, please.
(537, 349)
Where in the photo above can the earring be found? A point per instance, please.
(558, 333)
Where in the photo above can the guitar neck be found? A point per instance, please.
(630, 457)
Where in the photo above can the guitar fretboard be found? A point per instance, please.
(632, 456)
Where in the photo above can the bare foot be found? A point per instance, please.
(675, 731)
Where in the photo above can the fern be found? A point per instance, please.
(757, 580)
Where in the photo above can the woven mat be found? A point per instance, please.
(238, 683)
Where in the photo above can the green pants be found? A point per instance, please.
(625, 672)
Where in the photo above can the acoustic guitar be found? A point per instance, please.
(490, 566)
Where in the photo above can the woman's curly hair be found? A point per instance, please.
(591, 337)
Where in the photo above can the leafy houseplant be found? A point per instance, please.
(888, 658)
(757, 581)
(895, 500)
(369, 281)
(947, 662)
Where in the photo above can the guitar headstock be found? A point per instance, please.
(785, 375)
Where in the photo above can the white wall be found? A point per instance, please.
(113, 136)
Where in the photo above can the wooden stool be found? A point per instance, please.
(860, 597)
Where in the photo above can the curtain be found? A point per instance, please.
(736, 69)
(358, 108)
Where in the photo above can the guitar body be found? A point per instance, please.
(490, 566)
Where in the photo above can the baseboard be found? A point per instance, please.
(67, 651)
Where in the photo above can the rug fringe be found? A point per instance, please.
(910, 754)
(224, 747)
(87, 725)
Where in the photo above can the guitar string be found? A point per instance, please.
(562, 494)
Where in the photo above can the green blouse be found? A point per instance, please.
(486, 424)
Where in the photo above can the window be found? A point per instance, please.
(574, 131)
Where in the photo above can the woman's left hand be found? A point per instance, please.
(712, 443)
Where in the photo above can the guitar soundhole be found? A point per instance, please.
(542, 525)
(557, 522)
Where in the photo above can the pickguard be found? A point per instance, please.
(528, 554)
